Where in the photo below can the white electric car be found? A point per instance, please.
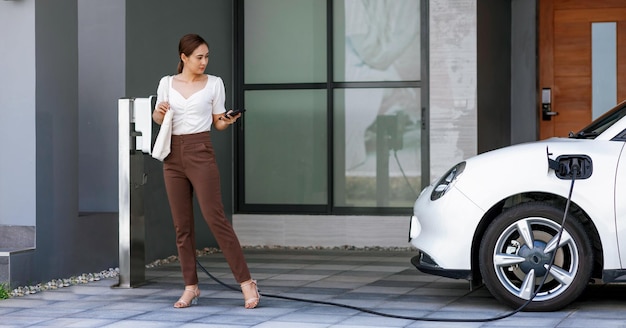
(494, 218)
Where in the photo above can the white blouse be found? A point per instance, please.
(193, 114)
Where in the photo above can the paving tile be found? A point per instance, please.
(311, 318)
(22, 321)
(587, 323)
(275, 286)
(75, 323)
(296, 297)
(319, 309)
(434, 291)
(327, 283)
(396, 283)
(418, 304)
(300, 277)
(379, 268)
(249, 320)
(531, 322)
(363, 296)
(435, 324)
(42, 312)
(375, 321)
(288, 324)
(171, 317)
(415, 276)
(8, 310)
(381, 281)
(205, 325)
(105, 314)
(383, 290)
(334, 267)
(278, 267)
(139, 323)
(319, 290)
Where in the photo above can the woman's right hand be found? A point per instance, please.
(159, 112)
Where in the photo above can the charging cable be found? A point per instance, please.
(574, 168)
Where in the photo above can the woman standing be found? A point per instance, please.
(197, 102)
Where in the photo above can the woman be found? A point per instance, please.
(197, 102)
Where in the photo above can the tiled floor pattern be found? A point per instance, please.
(383, 281)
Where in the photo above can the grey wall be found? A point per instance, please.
(153, 29)
(494, 74)
(524, 103)
(101, 75)
(57, 131)
(66, 244)
(507, 73)
(17, 112)
(67, 64)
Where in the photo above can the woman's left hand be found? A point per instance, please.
(222, 121)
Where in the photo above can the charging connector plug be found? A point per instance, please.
(578, 167)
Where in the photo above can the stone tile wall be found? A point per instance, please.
(17, 237)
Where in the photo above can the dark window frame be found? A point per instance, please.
(241, 207)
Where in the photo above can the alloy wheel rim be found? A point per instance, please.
(521, 258)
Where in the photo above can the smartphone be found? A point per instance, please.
(234, 112)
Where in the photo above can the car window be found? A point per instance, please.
(602, 123)
(620, 137)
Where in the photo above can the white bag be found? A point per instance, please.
(163, 142)
(162, 145)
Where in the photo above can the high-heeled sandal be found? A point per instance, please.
(251, 302)
(183, 303)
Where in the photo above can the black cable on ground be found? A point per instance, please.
(395, 316)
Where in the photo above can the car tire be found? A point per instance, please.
(515, 252)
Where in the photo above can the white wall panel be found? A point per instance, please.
(17, 113)
(453, 112)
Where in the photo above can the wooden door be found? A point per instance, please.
(565, 61)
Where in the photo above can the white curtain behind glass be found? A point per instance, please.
(382, 44)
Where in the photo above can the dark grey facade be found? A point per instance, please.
(86, 55)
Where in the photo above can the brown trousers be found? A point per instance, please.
(189, 168)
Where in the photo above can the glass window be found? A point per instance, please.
(285, 147)
(376, 40)
(603, 67)
(363, 154)
(377, 147)
(285, 41)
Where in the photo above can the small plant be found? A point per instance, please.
(4, 292)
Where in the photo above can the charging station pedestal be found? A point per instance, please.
(135, 140)
(389, 131)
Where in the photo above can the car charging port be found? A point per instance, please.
(578, 167)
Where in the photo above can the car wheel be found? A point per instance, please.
(515, 252)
